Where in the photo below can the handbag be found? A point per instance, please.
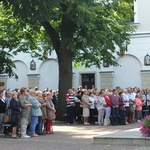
(6, 118)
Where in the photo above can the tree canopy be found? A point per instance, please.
(84, 32)
(94, 27)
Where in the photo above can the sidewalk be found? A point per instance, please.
(70, 137)
(127, 137)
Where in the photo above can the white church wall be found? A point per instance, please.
(48, 71)
(142, 13)
(140, 47)
(132, 61)
(128, 73)
(22, 81)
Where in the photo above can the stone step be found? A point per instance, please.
(130, 137)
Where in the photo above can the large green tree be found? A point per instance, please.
(80, 31)
(6, 63)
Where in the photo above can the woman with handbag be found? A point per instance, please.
(15, 114)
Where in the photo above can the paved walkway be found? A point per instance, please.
(131, 137)
(70, 137)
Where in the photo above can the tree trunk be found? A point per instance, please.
(65, 80)
(62, 47)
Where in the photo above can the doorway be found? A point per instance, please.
(88, 80)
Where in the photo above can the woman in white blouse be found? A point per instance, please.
(100, 107)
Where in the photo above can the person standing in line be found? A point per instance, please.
(35, 112)
(7, 100)
(100, 107)
(8, 96)
(121, 109)
(55, 99)
(3, 107)
(86, 105)
(138, 104)
(96, 97)
(79, 108)
(126, 105)
(70, 107)
(114, 107)
(15, 114)
(50, 109)
(131, 106)
(25, 113)
(92, 108)
(148, 101)
(41, 97)
(107, 108)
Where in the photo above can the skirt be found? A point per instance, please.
(86, 112)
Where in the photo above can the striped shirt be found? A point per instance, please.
(70, 99)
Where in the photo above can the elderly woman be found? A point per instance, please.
(15, 113)
(55, 99)
(35, 111)
(3, 107)
(41, 119)
(86, 105)
(100, 108)
(50, 113)
(8, 96)
(107, 108)
(25, 111)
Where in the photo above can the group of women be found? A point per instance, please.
(32, 111)
(107, 106)
(95, 103)
(87, 104)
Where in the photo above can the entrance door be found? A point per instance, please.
(88, 80)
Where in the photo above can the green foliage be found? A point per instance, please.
(6, 64)
(83, 31)
(18, 36)
(147, 122)
(88, 29)
(6, 40)
(100, 31)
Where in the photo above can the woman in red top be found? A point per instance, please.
(107, 108)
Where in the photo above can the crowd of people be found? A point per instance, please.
(33, 111)
(108, 106)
